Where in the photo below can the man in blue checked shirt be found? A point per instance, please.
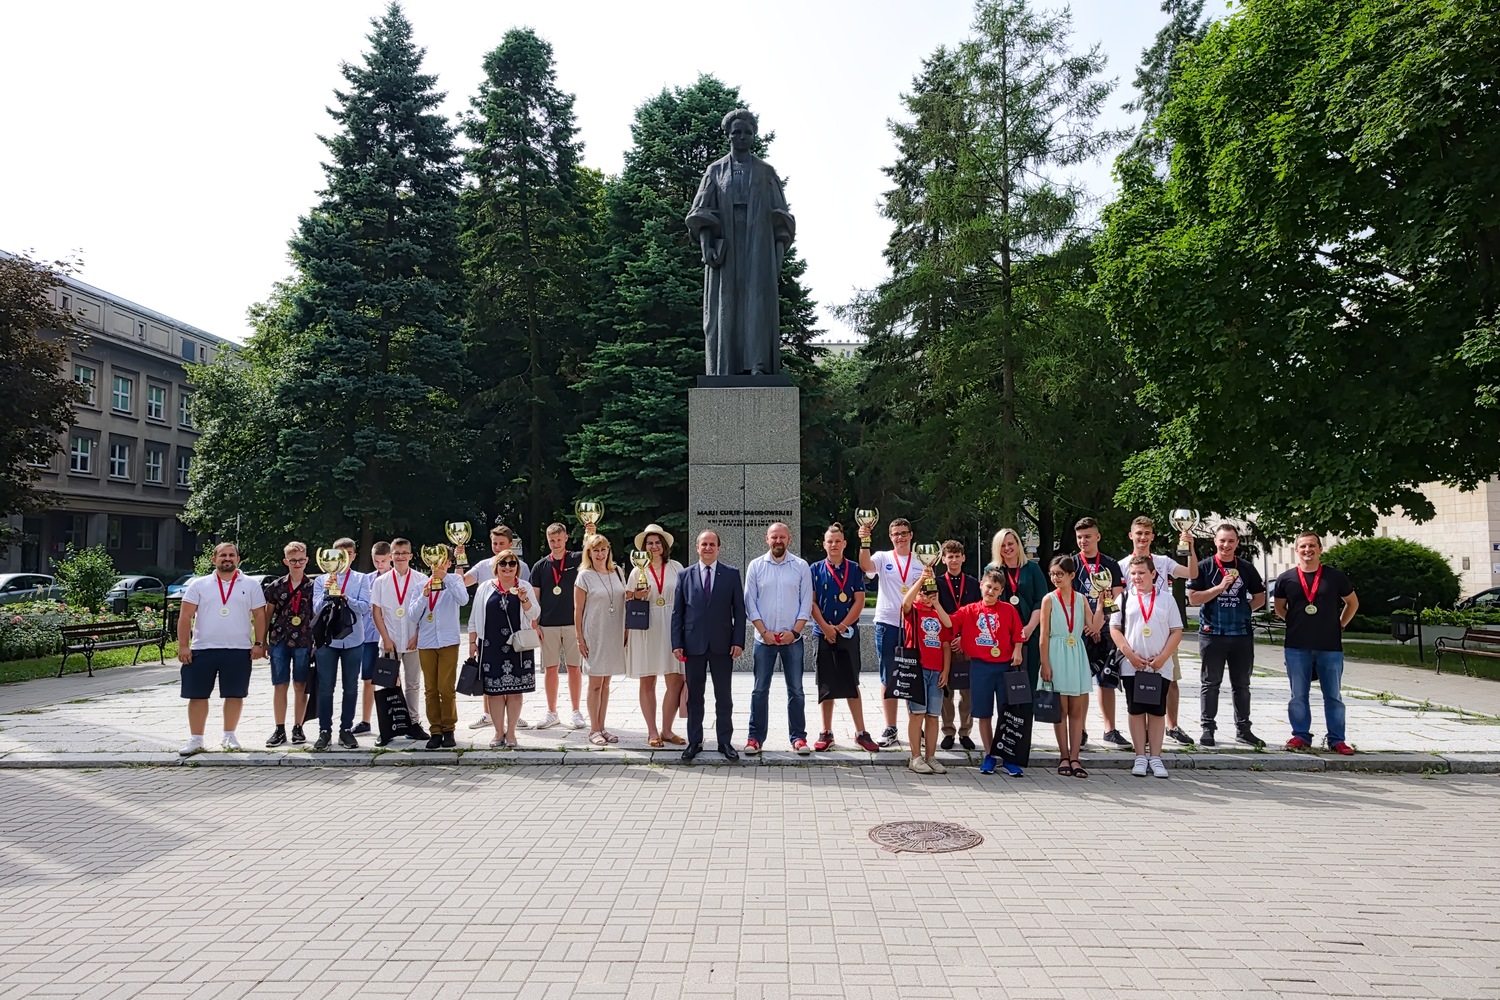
(341, 656)
(437, 649)
(778, 603)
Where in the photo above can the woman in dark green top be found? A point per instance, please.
(1025, 586)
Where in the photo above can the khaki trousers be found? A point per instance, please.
(965, 712)
(440, 679)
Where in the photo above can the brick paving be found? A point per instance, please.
(648, 883)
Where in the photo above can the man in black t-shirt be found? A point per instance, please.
(1316, 602)
(554, 577)
(1100, 647)
(955, 589)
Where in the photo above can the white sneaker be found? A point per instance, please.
(231, 742)
(919, 765)
(522, 724)
(482, 721)
(1140, 767)
(1158, 769)
(935, 766)
(192, 746)
(548, 721)
(579, 722)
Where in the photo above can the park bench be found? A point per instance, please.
(89, 639)
(1474, 642)
(1270, 625)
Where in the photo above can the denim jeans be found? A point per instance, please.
(766, 656)
(887, 641)
(348, 662)
(289, 664)
(1300, 664)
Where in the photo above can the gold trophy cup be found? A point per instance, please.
(927, 554)
(436, 557)
(589, 514)
(866, 518)
(333, 562)
(1103, 585)
(1184, 520)
(640, 559)
(459, 532)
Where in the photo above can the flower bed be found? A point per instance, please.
(33, 628)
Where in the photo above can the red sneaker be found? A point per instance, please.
(866, 743)
(1342, 748)
(825, 740)
(801, 746)
(1298, 743)
(752, 747)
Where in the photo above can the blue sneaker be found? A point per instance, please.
(987, 766)
(1013, 770)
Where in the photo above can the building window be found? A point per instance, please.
(189, 350)
(155, 460)
(84, 376)
(184, 463)
(81, 455)
(119, 461)
(184, 409)
(140, 332)
(112, 539)
(77, 533)
(145, 536)
(67, 303)
(156, 402)
(121, 394)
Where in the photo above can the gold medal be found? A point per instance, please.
(556, 591)
(223, 612)
(296, 619)
(843, 597)
(1312, 609)
(661, 602)
(1072, 640)
(1146, 631)
(400, 612)
(429, 616)
(995, 652)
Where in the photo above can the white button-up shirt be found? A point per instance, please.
(443, 606)
(778, 594)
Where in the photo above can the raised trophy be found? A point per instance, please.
(927, 554)
(1184, 520)
(459, 532)
(333, 562)
(435, 557)
(640, 559)
(589, 514)
(1103, 584)
(866, 517)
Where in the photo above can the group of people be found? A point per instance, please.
(973, 648)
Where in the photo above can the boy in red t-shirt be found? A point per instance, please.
(933, 638)
(989, 634)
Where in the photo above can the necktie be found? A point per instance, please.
(708, 582)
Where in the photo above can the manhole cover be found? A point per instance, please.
(924, 837)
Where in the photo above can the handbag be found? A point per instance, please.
(392, 713)
(386, 672)
(469, 682)
(905, 677)
(1017, 687)
(524, 639)
(1150, 688)
(1046, 704)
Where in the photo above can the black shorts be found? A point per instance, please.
(838, 668)
(229, 667)
(1138, 709)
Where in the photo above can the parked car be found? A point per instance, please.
(177, 586)
(28, 587)
(1485, 600)
(127, 587)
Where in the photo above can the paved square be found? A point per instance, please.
(559, 882)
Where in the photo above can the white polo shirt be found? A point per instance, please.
(225, 616)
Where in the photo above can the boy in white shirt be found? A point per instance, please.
(1147, 631)
(396, 600)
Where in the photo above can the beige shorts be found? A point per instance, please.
(560, 645)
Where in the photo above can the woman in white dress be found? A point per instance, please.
(648, 653)
(599, 617)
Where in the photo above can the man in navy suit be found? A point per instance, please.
(708, 631)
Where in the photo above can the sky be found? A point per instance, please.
(172, 146)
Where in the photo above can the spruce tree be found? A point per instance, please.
(527, 239)
(368, 440)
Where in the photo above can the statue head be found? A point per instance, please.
(741, 127)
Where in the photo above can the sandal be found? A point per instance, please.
(611, 737)
(598, 740)
(656, 742)
(675, 740)
(1078, 771)
(498, 743)
(1064, 768)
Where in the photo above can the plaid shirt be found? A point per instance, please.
(279, 595)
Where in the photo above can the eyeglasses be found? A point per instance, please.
(295, 562)
(509, 562)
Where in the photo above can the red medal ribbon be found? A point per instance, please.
(1146, 612)
(344, 584)
(296, 600)
(224, 598)
(557, 574)
(843, 581)
(903, 569)
(401, 591)
(1014, 581)
(1312, 594)
(952, 591)
(992, 626)
(432, 599)
(1225, 569)
(1071, 610)
(661, 579)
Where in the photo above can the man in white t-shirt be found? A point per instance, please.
(894, 573)
(1147, 631)
(395, 602)
(221, 628)
(1142, 534)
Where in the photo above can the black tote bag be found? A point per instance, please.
(392, 713)
(470, 683)
(905, 677)
(1150, 688)
(386, 672)
(1017, 687)
(1046, 704)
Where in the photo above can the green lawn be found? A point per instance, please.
(46, 666)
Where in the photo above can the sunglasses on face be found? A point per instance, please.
(509, 562)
